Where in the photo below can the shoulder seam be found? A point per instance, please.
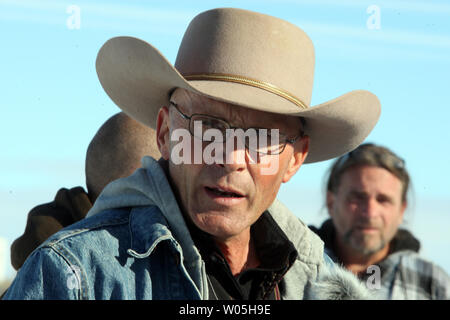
(74, 232)
(71, 265)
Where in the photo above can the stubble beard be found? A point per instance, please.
(366, 245)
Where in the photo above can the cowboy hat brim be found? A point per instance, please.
(139, 79)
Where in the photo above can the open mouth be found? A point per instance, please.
(223, 193)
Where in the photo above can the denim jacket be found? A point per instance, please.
(135, 245)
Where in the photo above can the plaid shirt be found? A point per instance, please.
(404, 274)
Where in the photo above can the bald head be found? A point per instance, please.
(116, 151)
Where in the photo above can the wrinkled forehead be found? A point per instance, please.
(193, 103)
(368, 177)
(196, 103)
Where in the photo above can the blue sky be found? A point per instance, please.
(52, 103)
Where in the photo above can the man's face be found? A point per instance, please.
(367, 208)
(224, 200)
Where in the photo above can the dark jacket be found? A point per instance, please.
(69, 206)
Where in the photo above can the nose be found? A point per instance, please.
(370, 207)
(235, 158)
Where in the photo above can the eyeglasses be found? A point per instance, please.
(386, 158)
(261, 140)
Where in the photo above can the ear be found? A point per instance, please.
(301, 148)
(330, 202)
(163, 132)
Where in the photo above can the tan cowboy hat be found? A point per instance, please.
(244, 58)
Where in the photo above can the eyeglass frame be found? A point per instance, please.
(186, 117)
(399, 163)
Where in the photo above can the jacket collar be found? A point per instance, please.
(147, 229)
(309, 246)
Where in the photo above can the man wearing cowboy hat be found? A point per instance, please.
(193, 229)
